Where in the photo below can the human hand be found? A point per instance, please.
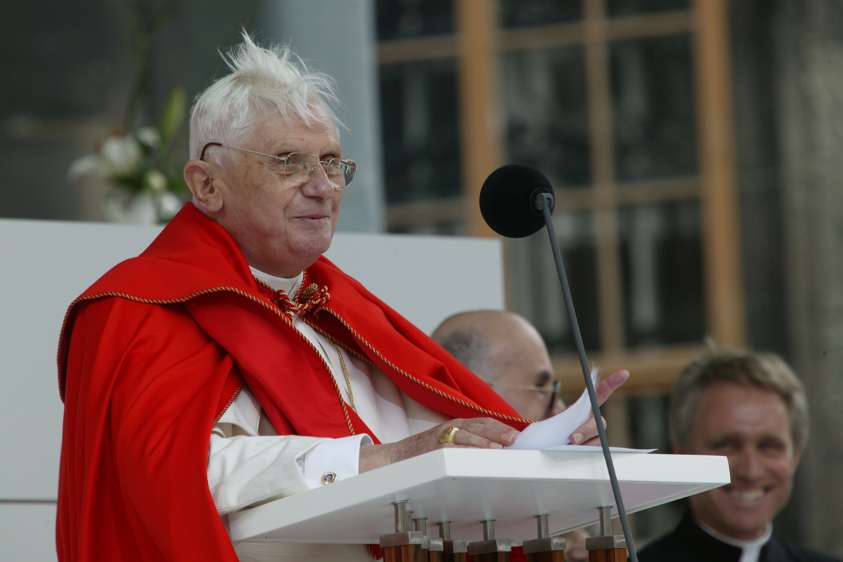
(586, 434)
(481, 433)
(575, 546)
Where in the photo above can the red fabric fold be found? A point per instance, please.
(152, 354)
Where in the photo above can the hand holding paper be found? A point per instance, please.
(557, 430)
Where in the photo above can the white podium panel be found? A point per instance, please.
(466, 486)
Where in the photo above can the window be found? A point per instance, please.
(623, 104)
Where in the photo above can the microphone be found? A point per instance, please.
(517, 201)
(508, 200)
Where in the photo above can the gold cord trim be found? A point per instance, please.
(418, 381)
(347, 377)
(265, 304)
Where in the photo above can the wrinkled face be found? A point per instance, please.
(750, 426)
(282, 227)
(523, 373)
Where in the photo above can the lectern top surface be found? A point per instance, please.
(465, 486)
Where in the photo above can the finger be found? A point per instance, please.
(610, 384)
(465, 438)
(490, 429)
(586, 432)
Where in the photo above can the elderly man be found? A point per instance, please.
(509, 353)
(751, 408)
(230, 363)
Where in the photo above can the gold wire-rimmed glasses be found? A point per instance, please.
(550, 395)
(299, 166)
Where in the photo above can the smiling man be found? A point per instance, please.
(751, 408)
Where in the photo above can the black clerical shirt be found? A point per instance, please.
(689, 543)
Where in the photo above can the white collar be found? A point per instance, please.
(742, 544)
(289, 285)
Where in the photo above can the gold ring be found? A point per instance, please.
(447, 437)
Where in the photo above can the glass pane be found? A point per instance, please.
(630, 7)
(535, 288)
(527, 13)
(544, 101)
(404, 19)
(662, 267)
(420, 131)
(653, 108)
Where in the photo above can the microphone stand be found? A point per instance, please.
(543, 202)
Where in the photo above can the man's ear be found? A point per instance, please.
(200, 179)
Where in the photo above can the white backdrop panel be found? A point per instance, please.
(46, 264)
(27, 533)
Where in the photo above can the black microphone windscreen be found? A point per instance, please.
(507, 200)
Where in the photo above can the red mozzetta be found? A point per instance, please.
(151, 355)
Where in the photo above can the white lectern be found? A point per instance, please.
(467, 486)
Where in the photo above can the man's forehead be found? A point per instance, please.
(279, 130)
(741, 410)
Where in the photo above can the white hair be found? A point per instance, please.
(261, 80)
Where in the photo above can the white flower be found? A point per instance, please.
(155, 180)
(168, 205)
(86, 167)
(149, 136)
(121, 155)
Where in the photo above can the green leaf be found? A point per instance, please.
(173, 115)
(176, 184)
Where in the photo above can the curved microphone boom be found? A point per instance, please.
(517, 201)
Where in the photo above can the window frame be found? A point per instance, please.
(476, 45)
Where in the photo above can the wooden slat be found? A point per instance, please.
(652, 370)
(553, 36)
(541, 37)
(421, 213)
(649, 25)
(425, 212)
(480, 113)
(602, 171)
(724, 292)
(400, 51)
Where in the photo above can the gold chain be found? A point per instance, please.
(346, 376)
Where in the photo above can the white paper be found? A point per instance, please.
(557, 430)
(591, 449)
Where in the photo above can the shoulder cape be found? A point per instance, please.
(152, 354)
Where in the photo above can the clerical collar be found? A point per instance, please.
(754, 544)
(289, 285)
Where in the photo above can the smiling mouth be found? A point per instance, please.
(314, 217)
(746, 497)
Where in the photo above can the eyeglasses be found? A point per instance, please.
(541, 393)
(299, 166)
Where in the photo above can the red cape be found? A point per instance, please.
(152, 354)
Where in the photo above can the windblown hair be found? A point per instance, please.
(766, 371)
(261, 81)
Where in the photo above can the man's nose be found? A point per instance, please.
(318, 184)
(746, 464)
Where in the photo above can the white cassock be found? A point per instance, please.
(249, 464)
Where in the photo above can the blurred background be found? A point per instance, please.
(695, 148)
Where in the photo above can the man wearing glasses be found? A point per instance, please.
(230, 363)
(510, 354)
